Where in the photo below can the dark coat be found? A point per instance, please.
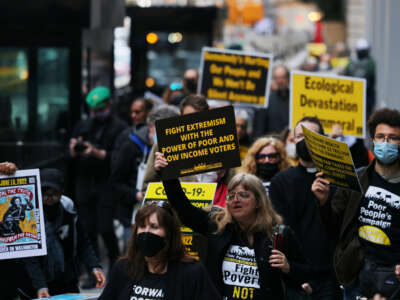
(218, 243)
(102, 135)
(340, 214)
(82, 250)
(124, 172)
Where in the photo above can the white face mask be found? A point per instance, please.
(291, 149)
(208, 177)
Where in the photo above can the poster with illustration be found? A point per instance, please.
(21, 215)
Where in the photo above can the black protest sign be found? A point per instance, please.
(199, 142)
(235, 76)
(334, 159)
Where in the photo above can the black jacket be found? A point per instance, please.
(78, 249)
(340, 214)
(102, 135)
(274, 118)
(184, 281)
(291, 196)
(125, 164)
(199, 220)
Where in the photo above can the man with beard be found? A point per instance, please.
(276, 117)
(291, 195)
(91, 148)
(367, 224)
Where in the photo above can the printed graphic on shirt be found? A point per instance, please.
(376, 215)
(140, 292)
(240, 271)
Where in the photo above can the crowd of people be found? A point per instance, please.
(277, 229)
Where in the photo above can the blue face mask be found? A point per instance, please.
(386, 152)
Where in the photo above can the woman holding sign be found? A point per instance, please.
(156, 265)
(241, 259)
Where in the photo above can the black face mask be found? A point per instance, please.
(51, 212)
(191, 85)
(267, 170)
(149, 244)
(283, 93)
(302, 151)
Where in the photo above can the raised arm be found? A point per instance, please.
(193, 217)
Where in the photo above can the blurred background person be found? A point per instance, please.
(276, 116)
(266, 157)
(140, 109)
(91, 148)
(67, 243)
(242, 125)
(358, 151)
(363, 66)
(173, 92)
(189, 85)
(127, 172)
(287, 137)
(156, 263)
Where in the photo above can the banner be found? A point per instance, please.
(235, 76)
(333, 158)
(333, 99)
(200, 195)
(199, 142)
(21, 216)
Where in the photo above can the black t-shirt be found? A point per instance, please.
(152, 287)
(379, 221)
(240, 272)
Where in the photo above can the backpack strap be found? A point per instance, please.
(145, 149)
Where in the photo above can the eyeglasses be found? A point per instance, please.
(270, 156)
(162, 204)
(381, 138)
(241, 196)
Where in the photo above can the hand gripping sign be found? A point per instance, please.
(333, 158)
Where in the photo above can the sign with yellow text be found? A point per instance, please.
(21, 216)
(333, 158)
(200, 195)
(199, 142)
(333, 99)
(235, 76)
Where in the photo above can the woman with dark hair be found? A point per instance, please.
(156, 265)
(241, 258)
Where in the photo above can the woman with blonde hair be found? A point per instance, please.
(241, 259)
(266, 157)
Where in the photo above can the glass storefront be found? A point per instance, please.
(34, 103)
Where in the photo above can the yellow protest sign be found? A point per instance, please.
(200, 195)
(333, 99)
(333, 158)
